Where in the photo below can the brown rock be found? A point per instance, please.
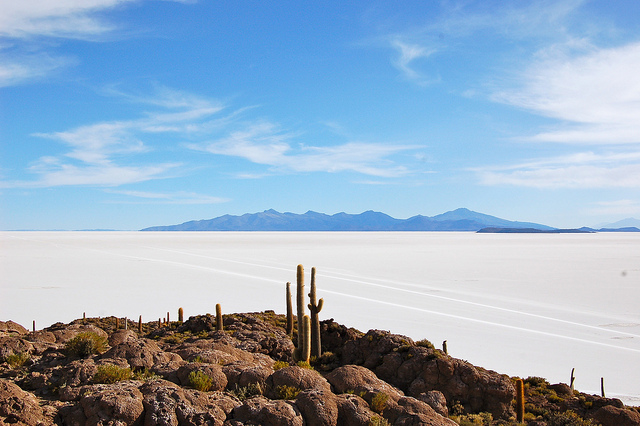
(614, 416)
(141, 353)
(64, 333)
(318, 407)
(241, 374)
(121, 336)
(18, 407)
(408, 411)
(296, 377)
(167, 404)
(262, 411)
(360, 380)
(436, 400)
(118, 403)
(12, 328)
(353, 411)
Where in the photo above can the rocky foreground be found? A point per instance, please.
(89, 372)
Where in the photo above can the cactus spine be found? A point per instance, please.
(519, 401)
(300, 302)
(316, 346)
(289, 311)
(305, 354)
(180, 315)
(219, 326)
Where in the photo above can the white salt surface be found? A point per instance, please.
(520, 304)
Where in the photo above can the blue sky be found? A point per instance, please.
(126, 114)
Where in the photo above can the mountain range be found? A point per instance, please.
(270, 220)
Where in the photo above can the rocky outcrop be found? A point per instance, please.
(362, 379)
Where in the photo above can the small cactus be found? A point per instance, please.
(300, 301)
(168, 322)
(573, 379)
(117, 323)
(180, 315)
(140, 324)
(34, 325)
(219, 325)
(316, 347)
(444, 348)
(602, 387)
(305, 354)
(289, 311)
(126, 323)
(519, 401)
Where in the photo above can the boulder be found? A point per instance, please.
(610, 415)
(18, 407)
(11, 327)
(265, 412)
(118, 403)
(318, 407)
(353, 411)
(141, 353)
(295, 377)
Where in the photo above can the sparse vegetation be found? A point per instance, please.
(110, 373)
(246, 392)
(18, 360)
(287, 392)
(200, 381)
(279, 365)
(378, 421)
(480, 419)
(379, 402)
(425, 344)
(85, 344)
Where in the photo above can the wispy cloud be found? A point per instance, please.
(583, 170)
(102, 153)
(407, 54)
(179, 197)
(26, 24)
(596, 93)
(55, 18)
(264, 143)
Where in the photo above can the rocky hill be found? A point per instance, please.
(93, 371)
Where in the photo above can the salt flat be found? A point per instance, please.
(520, 304)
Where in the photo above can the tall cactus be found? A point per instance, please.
(219, 325)
(305, 353)
(300, 301)
(316, 346)
(289, 311)
(180, 315)
(519, 401)
(140, 324)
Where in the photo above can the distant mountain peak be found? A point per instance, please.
(461, 219)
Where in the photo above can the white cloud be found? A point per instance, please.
(179, 197)
(25, 23)
(408, 53)
(596, 93)
(54, 18)
(102, 153)
(583, 170)
(263, 143)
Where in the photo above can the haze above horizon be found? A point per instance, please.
(121, 114)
